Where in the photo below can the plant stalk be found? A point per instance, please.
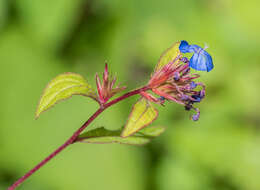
(75, 135)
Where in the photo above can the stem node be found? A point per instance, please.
(72, 139)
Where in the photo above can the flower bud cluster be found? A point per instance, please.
(175, 82)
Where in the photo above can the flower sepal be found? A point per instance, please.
(173, 81)
(106, 89)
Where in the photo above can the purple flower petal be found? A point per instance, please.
(201, 59)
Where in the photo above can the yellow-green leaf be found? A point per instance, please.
(142, 114)
(105, 136)
(63, 87)
(169, 55)
(153, 131)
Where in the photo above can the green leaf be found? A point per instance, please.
(63, 87)
(169, 55)
(153, 131)
(105, 136)
(142, 114)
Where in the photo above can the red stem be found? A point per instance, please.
(75, 135)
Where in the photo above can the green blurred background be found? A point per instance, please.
(40, 39)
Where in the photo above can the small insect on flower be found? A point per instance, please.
(200, 60)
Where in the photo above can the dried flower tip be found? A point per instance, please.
(184, 60)
(176, 76)
(193, 85)
(195, 117)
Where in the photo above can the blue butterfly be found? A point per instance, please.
(200, 60)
